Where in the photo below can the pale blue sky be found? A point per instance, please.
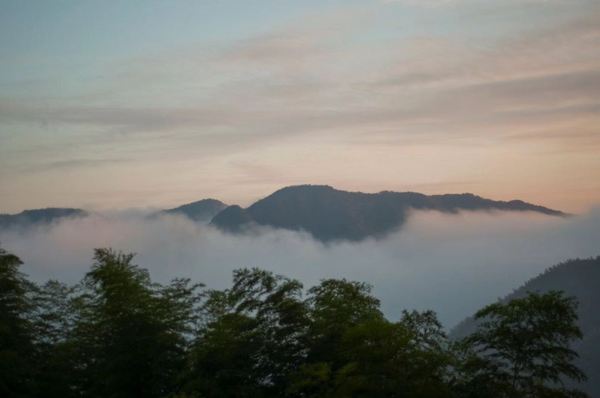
(156, 103)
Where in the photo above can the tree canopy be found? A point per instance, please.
(119, 334)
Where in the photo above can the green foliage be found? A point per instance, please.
(54, 321)
(378, 358)
(253, 339)
(118, 334)
(131, 331)
(335, 306)
(522, 347)
(16, 331)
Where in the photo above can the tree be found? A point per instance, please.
(521, 348)
(131, 334)
(54, 319)
(253, 337)
(335, 307)
(430, 354)
(16, 332)
(406, 359)
(118, 334)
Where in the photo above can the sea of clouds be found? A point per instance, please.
(451, 263)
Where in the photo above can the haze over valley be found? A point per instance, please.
(424, 261)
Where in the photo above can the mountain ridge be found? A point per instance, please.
(41, 216)
(329, 214)
(326, 213)
(201, 210)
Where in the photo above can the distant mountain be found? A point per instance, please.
(578, 278)
(38, 216)
(329, 214)
(202, 210)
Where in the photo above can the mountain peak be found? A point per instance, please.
(232, 219)
(303, 188)
(329, 214)
(202, 210)
(39, 216)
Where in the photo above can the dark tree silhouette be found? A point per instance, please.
(523, 349)
(16, 330)
(118, 334)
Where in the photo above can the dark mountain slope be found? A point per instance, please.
(232, 219)
(330, 214)
(467, 201)
(579, 278)
(202, 210)
(38, 216)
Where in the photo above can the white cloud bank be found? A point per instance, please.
(453, 264)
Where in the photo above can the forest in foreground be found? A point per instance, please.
(119, 334)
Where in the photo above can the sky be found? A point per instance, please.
(121, 104)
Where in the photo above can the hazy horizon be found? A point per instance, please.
(152, 208)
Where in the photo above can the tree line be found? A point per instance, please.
(119, 334)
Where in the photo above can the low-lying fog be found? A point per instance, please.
(453, 264)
